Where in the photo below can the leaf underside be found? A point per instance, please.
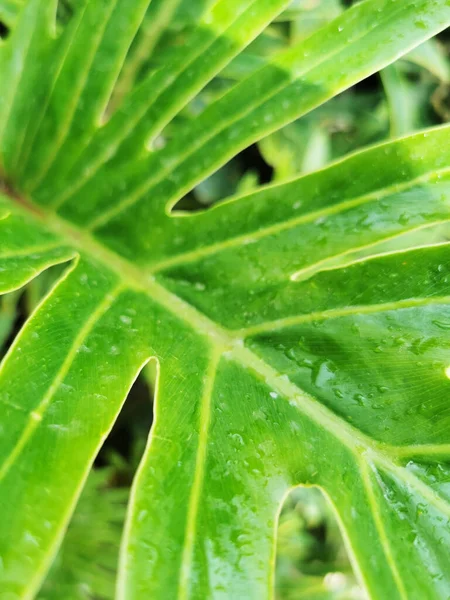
(296, 341)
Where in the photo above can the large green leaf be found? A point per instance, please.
(287, 352)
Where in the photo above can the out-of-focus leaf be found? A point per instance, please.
(342, 125)
(431, 56)
(307, 568)
(407, 101)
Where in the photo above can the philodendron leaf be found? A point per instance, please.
(279, 361)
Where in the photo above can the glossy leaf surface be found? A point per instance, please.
(295, 342)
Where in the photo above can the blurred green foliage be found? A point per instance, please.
(86, 564)
(311, 558)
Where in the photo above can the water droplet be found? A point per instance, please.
(66, 388)
(237, 438)
(29, 538)
(360, 399)
(142, 514)
(84, 348)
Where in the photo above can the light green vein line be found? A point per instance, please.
(51, 262)
(354, 439)
(71, 108)
(339, 312)
(6, 111)
(30, 250)
(422, 450)
(150, 36)
(37, 415)
(384, 460)
(36, 583)
(196, 490)
(133, 120)
(129, 201)
(133, 277)
(365, 476)
(376, 195)
(44, 109)
(328, 264)
(347, 434)
(357, 442)
(140, 8)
